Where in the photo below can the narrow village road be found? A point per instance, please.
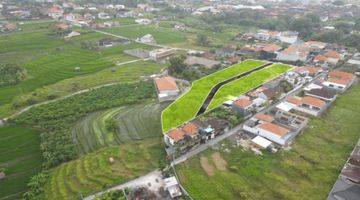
(154, 178)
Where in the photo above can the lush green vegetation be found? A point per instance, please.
(243, 85)
(119, 74)
(161, 35)
(95, 172)
(49, 59)
(11, 75)
(187, 106)
(118, 126)
(307, 171)
(56, 119)
(20, 157)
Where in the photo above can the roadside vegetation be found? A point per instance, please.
(20, 159)
(186, 107)
(56, 119)
(307, 171)
(245, 84)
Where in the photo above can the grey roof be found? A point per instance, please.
(351, 193)
(323, 92)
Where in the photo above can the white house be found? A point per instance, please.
(309, 105)
(143, 21)
(55, 12)
(103, 15)
(159, 54)
(275, 133)
(339, 80)
(172, 186)
(167, 88)
(147, 39)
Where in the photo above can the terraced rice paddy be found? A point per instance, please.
(186, 107)
(243, 85)
(94, 171)
(134, 123)
(20, 156)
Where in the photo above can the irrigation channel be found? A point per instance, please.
(219, 85)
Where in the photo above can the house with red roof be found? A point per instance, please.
(243, 105)
(167, 88)
(55, 12)
(307, 105)
(339, 81)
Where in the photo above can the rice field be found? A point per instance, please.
(94, 172)
(134, 123)
(20, 156)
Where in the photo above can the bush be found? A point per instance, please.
(36, 187)
(11, 74)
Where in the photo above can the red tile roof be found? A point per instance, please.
(311, 70)
(332, 54)
(166, 83)
(271, 48)
(320, 58)
(294, 100)
(275, 129)
(264, 117)
(313, 101)
(243, 102)
(191, 129)
(176, 134)
(341, 75)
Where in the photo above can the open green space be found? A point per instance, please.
(50, 62)
(57, 118)
(94, 172)
(161, 35)
(186, 107)
(245, 84)
(307, 171)
(20, 157)
(131, 123)
(117, 74)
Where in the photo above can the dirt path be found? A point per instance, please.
(219, 161)
(208, 168)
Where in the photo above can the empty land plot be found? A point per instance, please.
(94, 172)
(161, 35)
(186, 107)
(137, 122)
(245, 84)
(20, 156)
(307, 171)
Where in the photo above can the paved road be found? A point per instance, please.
(206, 145)
(141, 181)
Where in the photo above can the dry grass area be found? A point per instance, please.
(207, 167)
(219, 161)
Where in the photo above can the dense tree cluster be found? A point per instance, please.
(11, 74)
(56, 119)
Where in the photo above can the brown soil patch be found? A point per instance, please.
(219, 161)
(208, 168)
